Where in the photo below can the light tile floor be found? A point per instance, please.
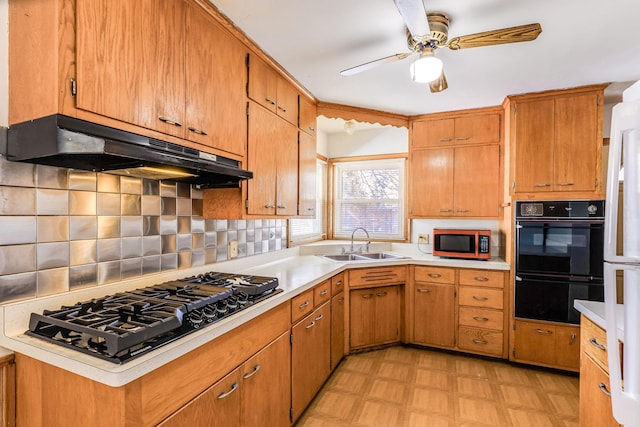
(404, 386)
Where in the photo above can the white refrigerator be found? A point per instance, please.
(624, 163)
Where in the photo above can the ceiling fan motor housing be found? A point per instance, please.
(439, 27)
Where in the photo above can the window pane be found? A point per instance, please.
(370, 184)
(378, 218)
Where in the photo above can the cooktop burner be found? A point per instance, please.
(122, 326)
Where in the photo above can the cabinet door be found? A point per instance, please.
(595, 403)
(307, 115)
(286, 155)
(477, 129)
(535, 342)
(476, 181)
(434, 309)
(576, 147)
(337, 329)
(219, 405)
(266, 386)
(432, 182)
(568, 347)
(287, 101)
(263, 83)
(261, 190)
(387, 315)
(307, 175)
(362, 312)
(433, 133)
(215, 85)
(534, 123)
(133, 76)
(310, 357)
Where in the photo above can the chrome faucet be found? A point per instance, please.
(352, 250)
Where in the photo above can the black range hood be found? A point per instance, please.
(64, 141)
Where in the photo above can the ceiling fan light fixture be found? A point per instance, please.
(427, 68)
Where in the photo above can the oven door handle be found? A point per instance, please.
(518, 279)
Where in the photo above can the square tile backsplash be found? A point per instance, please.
(63, 229)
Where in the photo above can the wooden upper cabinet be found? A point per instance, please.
(459, 181)
(478, 128)
(286, 169)
(557, 143)
(272, 91)
(215, 85)
(133, 76)
(307, 115)
(306, 175)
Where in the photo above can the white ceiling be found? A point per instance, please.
(582, 42)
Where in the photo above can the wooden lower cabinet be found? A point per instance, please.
(374, 316)
(310, 357)
(547, 344)
(594, 386)
(434, 314)
(337, 329)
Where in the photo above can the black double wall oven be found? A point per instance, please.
(559, 258)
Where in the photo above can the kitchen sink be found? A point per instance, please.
(381, 256)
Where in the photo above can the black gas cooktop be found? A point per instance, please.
(125, 325)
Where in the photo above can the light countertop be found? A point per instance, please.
(595, 311)
(297, 270)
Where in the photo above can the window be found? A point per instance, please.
(305, 230)
(370, 194)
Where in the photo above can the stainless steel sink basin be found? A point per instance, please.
(381, 256)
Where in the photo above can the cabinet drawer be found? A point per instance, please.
(481, 318)
(594, 342)
(435, 274)
(481, 297)
(322, 293)
(337, 284)
(480, 340)
(376, 276)
(301, 305)
(487, 278)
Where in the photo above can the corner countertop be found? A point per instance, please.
(595, 311)
(297, 270)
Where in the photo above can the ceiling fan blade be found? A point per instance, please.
(414, 16)
(439, 84)
(522, 33)
(372, 64)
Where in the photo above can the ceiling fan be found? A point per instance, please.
(427, 32)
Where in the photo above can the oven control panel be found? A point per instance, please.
(559, 209)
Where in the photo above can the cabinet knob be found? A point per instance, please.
(323, 292)
(303, 305)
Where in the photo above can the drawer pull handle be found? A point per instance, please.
(565, 183)
(339, 283)
(198, 131)
(284, 110)
(381, 294)
(310, 325)
(446, 210)
(367, 296)
(543, 331)
(434, 275)
(169, 121)
(252, 373)
(462, 138)
(479, 341)
(319, 317)
(341, 300)
(603, 389)
(227, 393)
(462, 210)
(424, 291)
(268, 206)
(481, 319)
(596, 344)
(312, 129)
(323, 293)
(282, 207)
(573, 338)
(270, 101)
(477, 298)
(542, 185)
(446, 139)
(481, 279)
(303, 305)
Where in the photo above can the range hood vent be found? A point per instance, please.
(64, 141)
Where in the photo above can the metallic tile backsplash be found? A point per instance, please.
(63, 229)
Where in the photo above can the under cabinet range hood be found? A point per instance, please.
(64, 141)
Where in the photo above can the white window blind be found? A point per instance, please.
(370, 194)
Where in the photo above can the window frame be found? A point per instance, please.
(322, 173)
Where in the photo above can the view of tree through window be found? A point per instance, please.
(369, 195)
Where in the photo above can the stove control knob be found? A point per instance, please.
(592, 209)
(195, 319)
